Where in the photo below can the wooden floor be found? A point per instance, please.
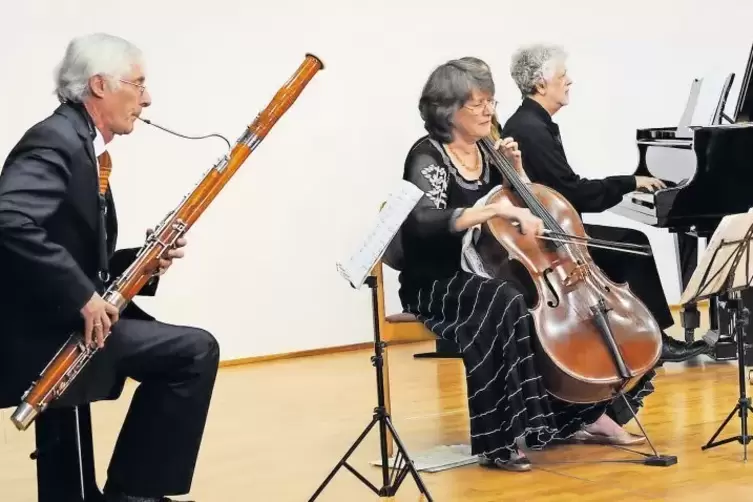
(277, 428)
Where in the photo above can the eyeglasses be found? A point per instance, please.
(478, 108)
(141, 87)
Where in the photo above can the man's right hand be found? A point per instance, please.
(99, 316)
(650, 184)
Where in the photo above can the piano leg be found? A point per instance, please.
(686, 251)
(690, 319)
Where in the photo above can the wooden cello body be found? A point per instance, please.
(594, 337)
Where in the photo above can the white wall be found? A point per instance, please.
(260, 273)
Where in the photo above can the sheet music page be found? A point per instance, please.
(718, 257)
(398, 206)
(708, 99)
(683, 127)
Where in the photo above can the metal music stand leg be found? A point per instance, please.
(724, 280)
(739, 315)
(403, 465)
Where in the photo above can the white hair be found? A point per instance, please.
(535, 64)
(94, 54)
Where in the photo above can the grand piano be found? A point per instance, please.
(708, 171)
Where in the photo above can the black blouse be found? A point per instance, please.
(431, 248)
(545, 162)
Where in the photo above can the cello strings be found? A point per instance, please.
(523, 191)
(535, 206)
(528, 197)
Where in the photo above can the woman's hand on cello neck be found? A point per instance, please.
(509, 148)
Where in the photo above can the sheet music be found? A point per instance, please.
(683, 127)
(709, 98)
(731, 229)
(398, 206)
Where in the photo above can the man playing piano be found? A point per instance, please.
(541, 75)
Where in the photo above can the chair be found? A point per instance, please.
(400, 328)
(65, 456)
(396, 329)
(445, 350)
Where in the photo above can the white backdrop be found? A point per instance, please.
(260, 271)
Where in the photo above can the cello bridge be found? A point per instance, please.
(576, 275)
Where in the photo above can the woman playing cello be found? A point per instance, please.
(487, 318)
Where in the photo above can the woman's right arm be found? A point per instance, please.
(431, 217)
(472, 216)
(504, 209)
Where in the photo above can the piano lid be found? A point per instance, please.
(744, 108)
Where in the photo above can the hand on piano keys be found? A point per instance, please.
(647, 184)
(650, 201)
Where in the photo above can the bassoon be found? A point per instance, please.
(74, 355)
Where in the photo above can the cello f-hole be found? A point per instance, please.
(554, 294)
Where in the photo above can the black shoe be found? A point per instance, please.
(676, 351)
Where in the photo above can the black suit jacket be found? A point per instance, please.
(51, 233)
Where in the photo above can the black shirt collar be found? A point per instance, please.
(533, 107)
(538, 110)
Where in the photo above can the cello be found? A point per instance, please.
(594, 338)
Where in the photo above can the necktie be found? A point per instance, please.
(105, 167)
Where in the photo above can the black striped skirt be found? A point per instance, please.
(489, 321)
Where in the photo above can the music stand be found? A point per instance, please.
(358, 270)
(725, 269)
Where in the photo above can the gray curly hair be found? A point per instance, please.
(449, 86)
(93, 54)
(535, 64)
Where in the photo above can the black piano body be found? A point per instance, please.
(708, 169)
(708, 176)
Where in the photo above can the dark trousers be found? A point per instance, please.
(159, 442)
(65, 456)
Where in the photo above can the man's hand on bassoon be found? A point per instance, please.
(176, 251)
(99, 316)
